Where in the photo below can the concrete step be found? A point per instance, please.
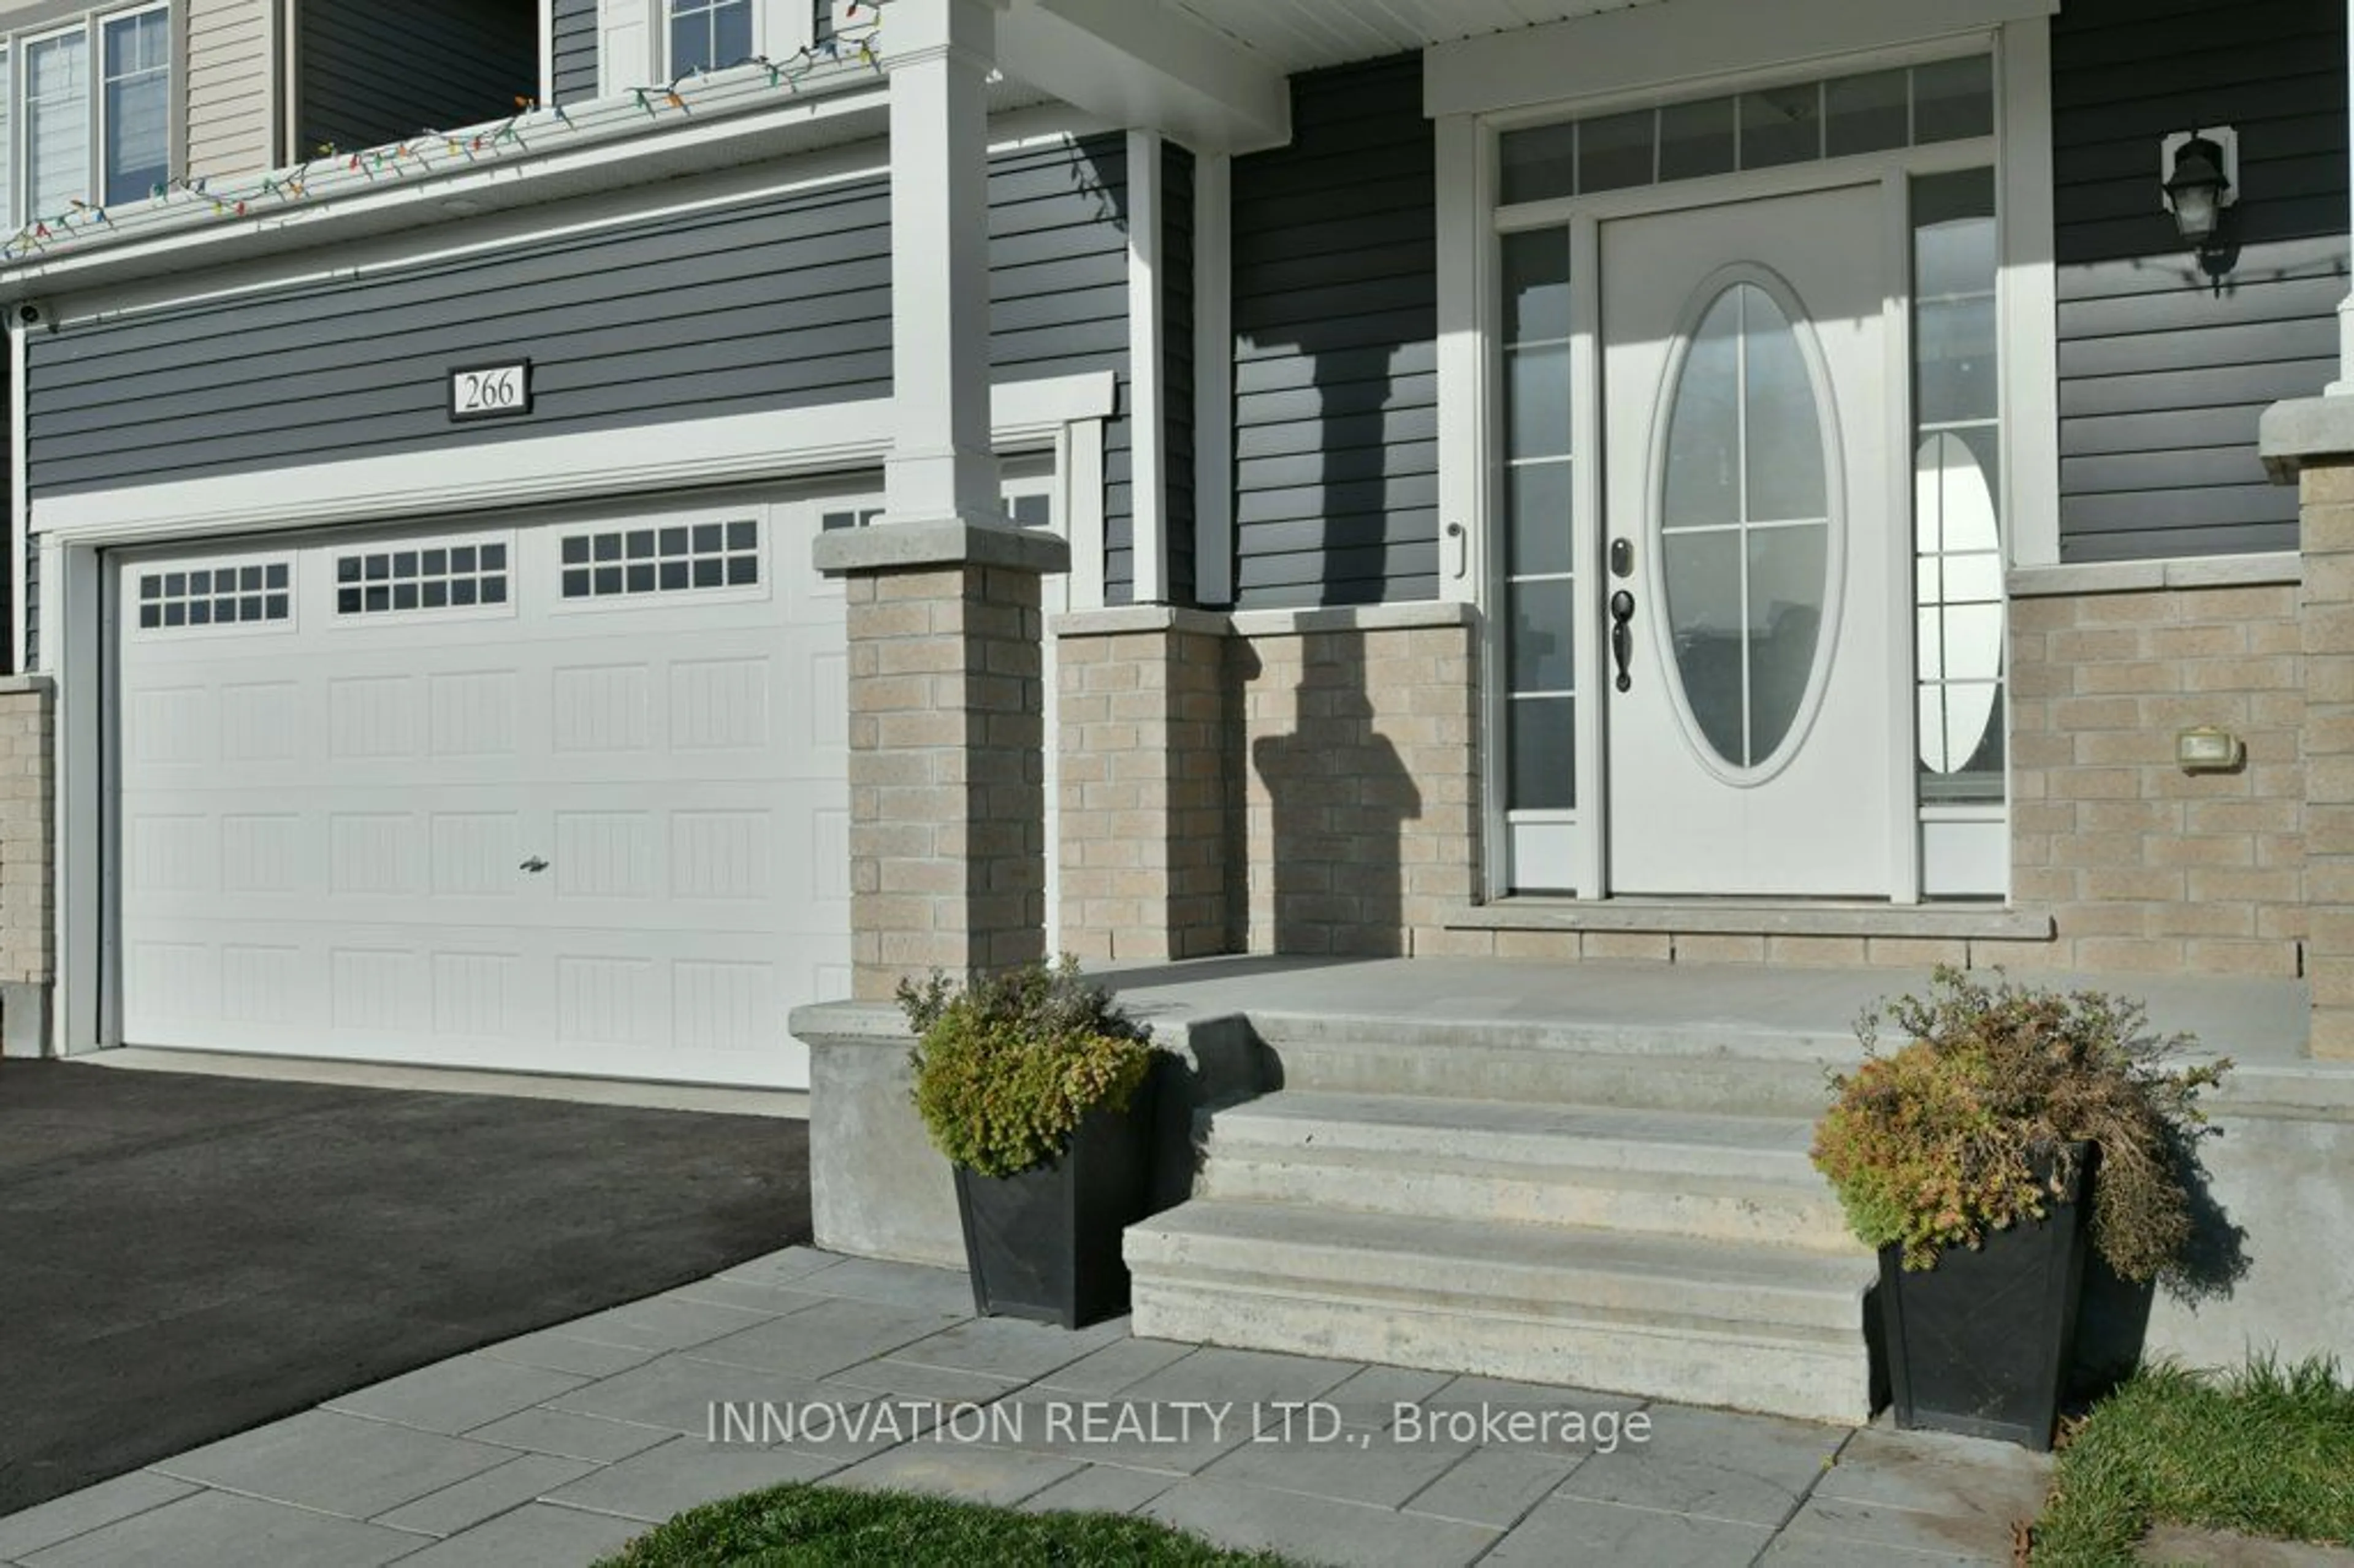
(1741, 1179)
(1703, 1067)
(1719, 1323)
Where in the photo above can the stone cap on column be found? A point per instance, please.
(924, 546)
(2302, 429)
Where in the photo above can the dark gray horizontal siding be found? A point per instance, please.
(1335, 309)
(572, 48)
(1176, 276)
(2162, 378)
(1058, 299)
(373, 71)
(780, 303)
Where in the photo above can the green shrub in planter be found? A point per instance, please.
(1006, 1067)
(1962, 1157)
(1038, 1089)
(1976, 1124)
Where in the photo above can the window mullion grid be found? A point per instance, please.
(1741, 508)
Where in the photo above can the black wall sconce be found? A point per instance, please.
(2200, 181)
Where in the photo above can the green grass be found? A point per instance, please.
(799, 1526)
(2266, 1452)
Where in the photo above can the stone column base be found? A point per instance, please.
(948, 805)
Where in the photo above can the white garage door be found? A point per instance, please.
(564, 796)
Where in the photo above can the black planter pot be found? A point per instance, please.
(1044, 1244)
(1981, 1343)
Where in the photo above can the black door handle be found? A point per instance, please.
(1622, 635)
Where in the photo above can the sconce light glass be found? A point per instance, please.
(2200, 179)
(2208, 749)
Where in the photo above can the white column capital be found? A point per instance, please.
(2344, 386)
(916, 31)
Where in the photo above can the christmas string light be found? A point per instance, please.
(284, 186)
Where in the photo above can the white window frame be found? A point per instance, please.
(16, 138)
(633, 40)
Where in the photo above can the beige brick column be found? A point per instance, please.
(1361, 796)
(28, 863)
(1143, 772)
(947, 804)
(2328, 617)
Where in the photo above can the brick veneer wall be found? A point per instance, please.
(1353, 753)
(28, 867)
(2144, 866)
(1360, 778)
(2326, 536)
(1142, 784)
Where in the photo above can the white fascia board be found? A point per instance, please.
(1151, 66)
(731, 116)
(530, 470)
(364, 254)
(1643, 46)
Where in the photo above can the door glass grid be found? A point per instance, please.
(1840, 117)
(1957, 523)
(1744, 521)
(1540, 576)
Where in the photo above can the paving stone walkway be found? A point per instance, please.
(562, 1444)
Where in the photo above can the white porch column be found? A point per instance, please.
(2344, 386)
(940, 467)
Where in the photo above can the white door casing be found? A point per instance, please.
(1727, 773)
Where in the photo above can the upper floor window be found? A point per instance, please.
(86, 115)
(709, 35)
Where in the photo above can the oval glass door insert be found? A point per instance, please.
(1745, 520)
(1959, 600)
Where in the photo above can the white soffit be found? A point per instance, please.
(1302, 34)
(1662, 42)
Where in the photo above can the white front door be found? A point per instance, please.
(1748, 529)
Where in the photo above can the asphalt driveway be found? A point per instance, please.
(183, 1257)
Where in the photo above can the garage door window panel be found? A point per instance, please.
(460, 577)
(662, 558)
(216, 595)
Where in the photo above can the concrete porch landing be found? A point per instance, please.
(2261, 1024)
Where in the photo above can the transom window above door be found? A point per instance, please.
(1876, 111)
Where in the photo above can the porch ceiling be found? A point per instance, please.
(1301, 35)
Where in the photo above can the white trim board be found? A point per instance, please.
(19, 467)
(1148, 432)
(1657, 45)
(2028, 297)
(534, 469)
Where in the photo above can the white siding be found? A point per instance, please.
(229, 94)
